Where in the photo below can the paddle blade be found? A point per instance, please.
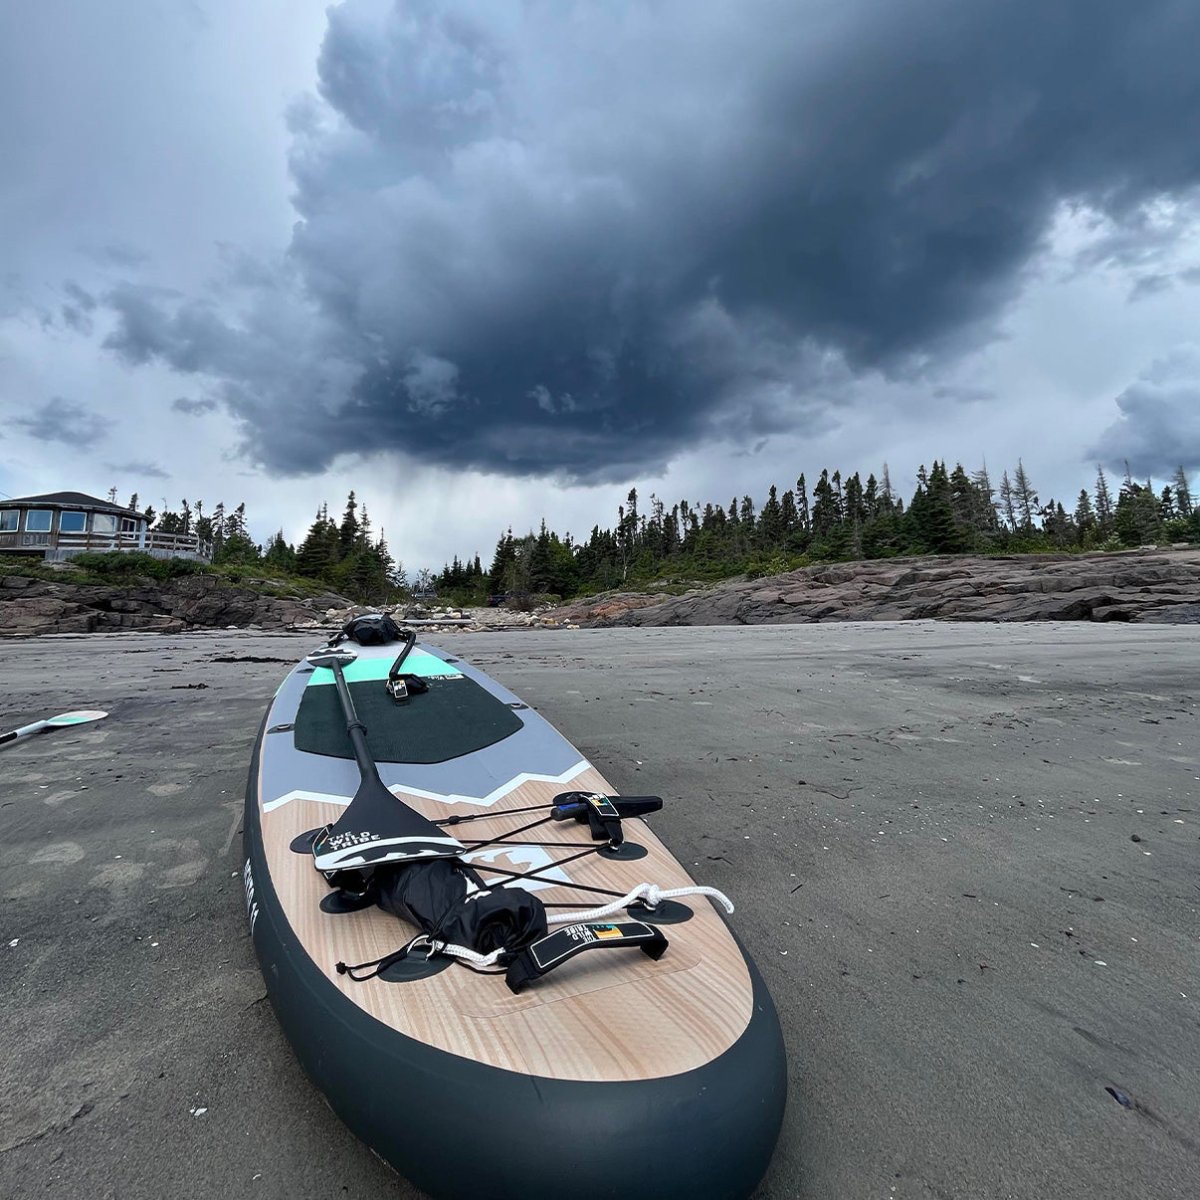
(79, 717)
(378, 828)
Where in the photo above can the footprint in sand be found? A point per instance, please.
(56, 853)
(167, 789)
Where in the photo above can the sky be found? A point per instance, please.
(492, 263)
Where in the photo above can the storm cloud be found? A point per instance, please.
(59, 420)
(1159, 426)
(578, 240)
(140, 470)
(193, 408)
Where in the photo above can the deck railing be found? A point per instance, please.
(58, 546)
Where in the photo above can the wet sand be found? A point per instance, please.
(964, 856)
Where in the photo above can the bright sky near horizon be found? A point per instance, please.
(488, 263)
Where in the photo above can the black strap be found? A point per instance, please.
(401, 685)
(542, 956)
(376, 965)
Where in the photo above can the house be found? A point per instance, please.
(58, 525)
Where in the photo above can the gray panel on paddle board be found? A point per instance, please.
(475, 775)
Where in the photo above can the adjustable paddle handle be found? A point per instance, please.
(601, 813)
(577, 805)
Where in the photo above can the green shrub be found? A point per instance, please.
(124, 565)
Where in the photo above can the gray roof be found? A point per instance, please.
(70, 500)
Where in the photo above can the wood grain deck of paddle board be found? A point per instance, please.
(607, 1015)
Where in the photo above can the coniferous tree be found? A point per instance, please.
(1025, 497)
(317, 555)
(1166, 505)
(964, 503)
(770, 521)
(217, 524)
(1104, 505)
(803, 517)
(1007, 502)
(824, 509)
(348, 530)
(1183, 493)
(984, 519)
(887, 495)
(1137, 520)
(942, 532)
(280, 556)
(504, 556)
(1085, 518)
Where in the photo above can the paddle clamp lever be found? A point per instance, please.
(603, 814)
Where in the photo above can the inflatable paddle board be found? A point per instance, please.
(651, 1069)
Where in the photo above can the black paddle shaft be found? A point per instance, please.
(376, 826)
(356, 731)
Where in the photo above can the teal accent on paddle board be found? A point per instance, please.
(377, 667)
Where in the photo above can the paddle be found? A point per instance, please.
(377, 827)
(79, 717)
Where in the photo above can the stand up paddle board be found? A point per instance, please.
(498, 976)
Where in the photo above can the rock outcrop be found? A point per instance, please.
(440, 619)
(30, 606)
(1156, 586)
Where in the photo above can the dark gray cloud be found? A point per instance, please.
(59, 420)
(140, 470)
(118, 254)
(193, 408)
(1159, 426)
(577, 241)
(76, 311)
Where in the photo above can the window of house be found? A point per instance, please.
(72, 522)
(38, 520)
(104, 523)
(8, 519)
(128, 525)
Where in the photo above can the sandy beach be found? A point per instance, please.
(964, 856)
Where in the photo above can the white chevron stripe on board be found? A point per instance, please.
(451, 798)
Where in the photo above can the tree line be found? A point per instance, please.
(950, 512)
(346, 555)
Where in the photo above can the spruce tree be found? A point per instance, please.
(318, 553)
(1166, 505)
(1104, 505)
(1085, 517)
(1025, 496)
(280, 556)
(1007, 502)
(886, 495)
(1183, 493)
(824, 510)
(348, 531)
(803, 517)
(1137, 520)
(770, 521)
(787, 514)
(984, 519)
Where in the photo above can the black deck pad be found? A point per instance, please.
(455, 717)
